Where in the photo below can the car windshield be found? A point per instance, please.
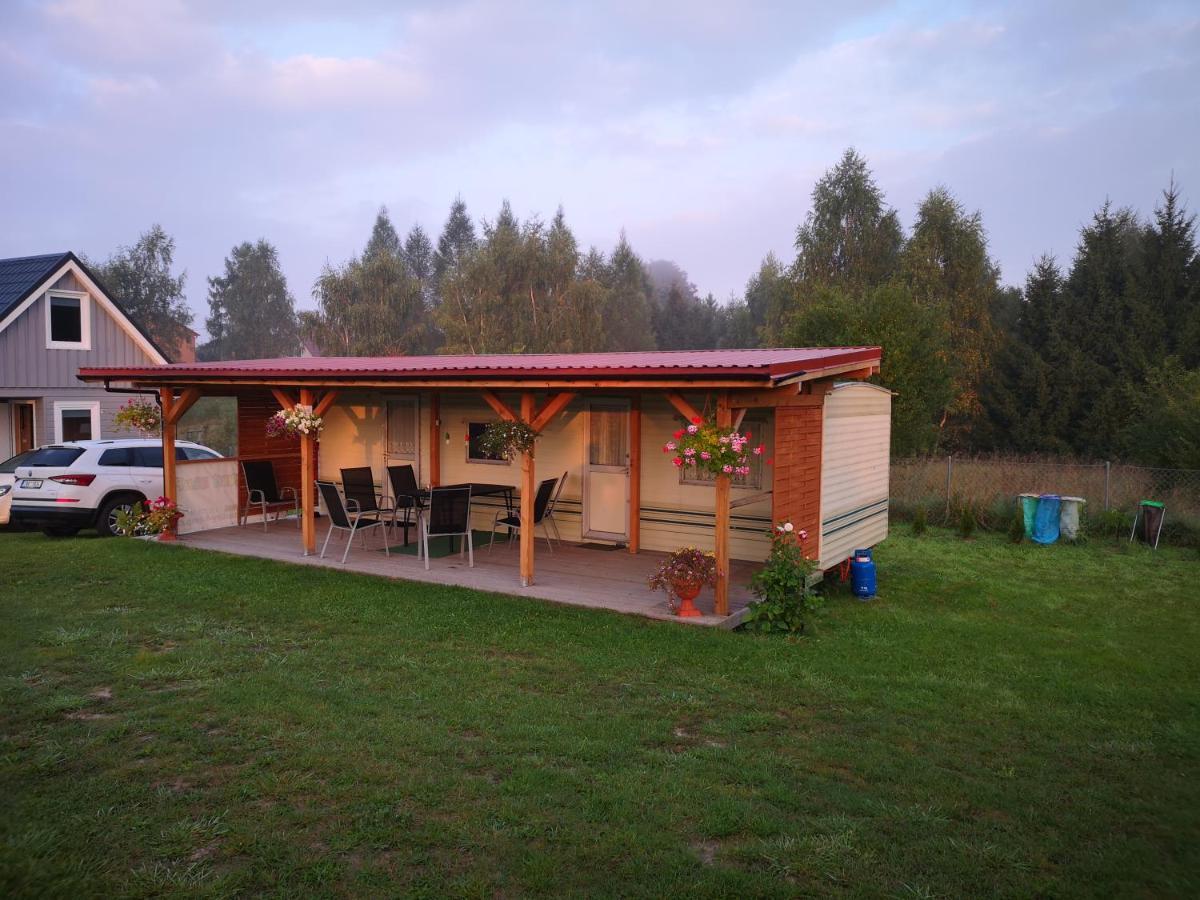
(52, 457)
(10, 465)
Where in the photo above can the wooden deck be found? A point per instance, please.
(572, 574)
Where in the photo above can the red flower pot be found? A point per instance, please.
(686, 591)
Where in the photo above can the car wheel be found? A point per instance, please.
(60, 531)
(106, 521)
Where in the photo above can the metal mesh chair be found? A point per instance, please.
(358, 484)
(550, 521)
(541, 502)
(448, 515)
(263, 491)
(406, 494)
(351, 520)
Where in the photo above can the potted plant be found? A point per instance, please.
(139, 415)
(705, 447)
(682, 574)
(291, 423)
(157, 518)
(506, 439)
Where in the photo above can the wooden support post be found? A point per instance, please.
(325, 402)
(721, 541)
(635, 473)
(308, 523)
(283, 398)
(685, 409)
(528, 490)
(501, 409)
(435, 440)
(170, 487)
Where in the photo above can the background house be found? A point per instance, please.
(54, 319)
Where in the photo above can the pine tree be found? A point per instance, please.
(384, 238)
(456, 242)
(770, 299)
(251, 312)
(630, 313)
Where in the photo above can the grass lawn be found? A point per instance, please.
(1002, 720)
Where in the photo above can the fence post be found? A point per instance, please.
(949, 476)
(1107, 474)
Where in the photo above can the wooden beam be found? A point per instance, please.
(170, 484)
(738, 415)
(182, 404)
(527, 495)
(308, 523)
(635, 474)
(522, 384)
(553, 407)
(435, 440)
(721, 539)
(283, 398)
(325, 402)
(499, 406)
(685, 409)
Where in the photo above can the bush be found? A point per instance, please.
(920, 521)
(967, 520)
(1016, 527)
(786, 599)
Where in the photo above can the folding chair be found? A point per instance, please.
(352, 520)
(541, 502)
(448, 515)
(263, 491)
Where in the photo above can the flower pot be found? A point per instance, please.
(686, 591)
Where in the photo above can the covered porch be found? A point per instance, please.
(602, 420)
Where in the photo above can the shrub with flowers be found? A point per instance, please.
(153, 518)
(139, 415)
(291, 423)
(685, 565)
(705, 447)
(785, 598)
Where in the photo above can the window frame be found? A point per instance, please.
(471, 460)
(85, 320)
(61, 406)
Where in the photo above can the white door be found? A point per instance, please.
(606, 471)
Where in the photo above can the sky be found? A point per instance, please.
(699, 128)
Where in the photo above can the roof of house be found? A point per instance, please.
(766, 366)
(21, 276)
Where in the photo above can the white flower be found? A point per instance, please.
(788, 527)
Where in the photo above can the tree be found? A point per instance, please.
(371, 306)
(384, 238)
(946, 266)
(850, 238)
(770, 298)
(456, 242)
(1164, 427)
(251, 313)
(1171, 278)
(140, 279)
(629, 309)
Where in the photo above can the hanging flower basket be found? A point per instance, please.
(142, 416)
(507, 439)
(292, 423)
(704, 447)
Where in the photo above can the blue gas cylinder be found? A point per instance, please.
(862, 574)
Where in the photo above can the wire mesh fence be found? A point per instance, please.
(991, 484)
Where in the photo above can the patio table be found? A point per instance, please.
(478, 489)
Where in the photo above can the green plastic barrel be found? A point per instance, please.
(1029, 504)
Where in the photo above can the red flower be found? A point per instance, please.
(696, 420)
(678, 434)
(677, 461)
(770, 461)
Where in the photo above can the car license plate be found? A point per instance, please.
(31, 483)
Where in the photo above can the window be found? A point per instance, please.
(74, 421)
(754, 481)
(68, 321)
(21, 459)
(477, 454)
(119, 456)
(196, 453)
(53, 457)
(151, 457)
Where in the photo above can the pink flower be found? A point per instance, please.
(704, 454)
(689, 452)
(758, 451)
(803, 535)
(727, 469)
(671, 445)
(692, 429)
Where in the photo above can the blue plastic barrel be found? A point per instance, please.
(862, 574)
(1045, 520)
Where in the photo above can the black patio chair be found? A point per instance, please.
(406, 493)
(448, 515)
(263, 491)
(358, 484)
(541, 502)
(551, 522)
(345, 517)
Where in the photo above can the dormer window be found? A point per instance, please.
(68, 321)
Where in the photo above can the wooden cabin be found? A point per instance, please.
(604, 419)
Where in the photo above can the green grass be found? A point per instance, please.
(1003, 720)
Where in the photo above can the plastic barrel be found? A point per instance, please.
(862, 574)
(1045, 522)
(1068, 517)
(1152, 514)
(1029, 504)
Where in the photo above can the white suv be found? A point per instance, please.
(62, 488)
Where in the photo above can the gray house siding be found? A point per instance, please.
(28, 370)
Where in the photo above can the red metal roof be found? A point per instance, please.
(772, 364)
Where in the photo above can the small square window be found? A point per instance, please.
(66, 320)
(76, 424)
(476, 453)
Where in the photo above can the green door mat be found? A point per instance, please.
(440, 546)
